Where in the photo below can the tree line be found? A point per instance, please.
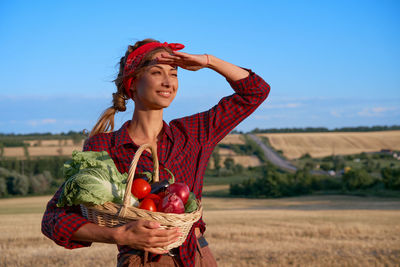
(274, 182)
(17, 140)
(30, 176)
(324, 129)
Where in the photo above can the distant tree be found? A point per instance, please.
(303, 182)
(40, 183)
(391, 178)
(357, 179)
(306, 156)
(238, 168)
(326, 166)
(363, 155)
(328, 158)
(17, 184)
(3, 187)
(4, 173)
(224, 172)
(310, 165)
(26, 151)
(338, 163)
(229, 163)
(216, 158)
(369, 165)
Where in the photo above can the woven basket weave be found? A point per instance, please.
(111, 214)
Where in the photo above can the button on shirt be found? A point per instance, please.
(185, 147)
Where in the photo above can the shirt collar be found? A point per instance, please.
(167, 130)
(122, 136)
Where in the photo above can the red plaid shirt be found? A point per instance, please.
(185, 148)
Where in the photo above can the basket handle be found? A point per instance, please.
(132, 169)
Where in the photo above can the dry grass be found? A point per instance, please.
(233, 139)
(243, 160)
(14, 152)
(294, 145)
(65, 142)
(53, 151)
(44, 148)
(41, 151)
(226, 152)
(302, 231)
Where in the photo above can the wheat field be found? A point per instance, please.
(301, 231)
(233, 139)
(294, 145)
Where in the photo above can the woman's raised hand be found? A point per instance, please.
(145, 235)
(184, 60)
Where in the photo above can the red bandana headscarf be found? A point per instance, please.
(134, 58)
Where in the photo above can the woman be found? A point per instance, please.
(148, 76)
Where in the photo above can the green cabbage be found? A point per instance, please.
(92, 178)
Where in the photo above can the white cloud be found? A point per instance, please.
(335, 113)
(269, 117)
(41, 122)
(375, 112)
(286, 105)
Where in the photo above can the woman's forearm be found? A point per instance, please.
(226, 69)
(138, 234)
(91, 232)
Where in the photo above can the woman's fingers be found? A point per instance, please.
(159, 237)
(181, 54)
(155, 242)
(156, 250)
(183, 60)
(150, 224)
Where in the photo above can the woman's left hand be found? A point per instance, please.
(184, 60)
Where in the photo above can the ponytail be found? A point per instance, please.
(105, 122)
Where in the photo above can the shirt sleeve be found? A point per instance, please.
(59, 224)
(211, 126)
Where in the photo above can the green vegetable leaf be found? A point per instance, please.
(91, 178)
(191, 204)
(149, 176)
(172, 179)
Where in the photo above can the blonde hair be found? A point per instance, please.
(106, 121)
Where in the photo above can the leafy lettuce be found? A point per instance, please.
(92, 178)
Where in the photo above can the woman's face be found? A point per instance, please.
(157, 86)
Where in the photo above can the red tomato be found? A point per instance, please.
(140, 188)
(154, 197)
(148, 204)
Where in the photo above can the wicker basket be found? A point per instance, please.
(111, 214)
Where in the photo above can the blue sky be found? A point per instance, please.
(329, 63)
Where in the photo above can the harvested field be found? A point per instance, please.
(14, 152)
(53, 151)
(226, 152)
(233, 139)
(301, 231)
(243, 160)
(38, 148)
(66, 142)
(41, 151)
(294, 145)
